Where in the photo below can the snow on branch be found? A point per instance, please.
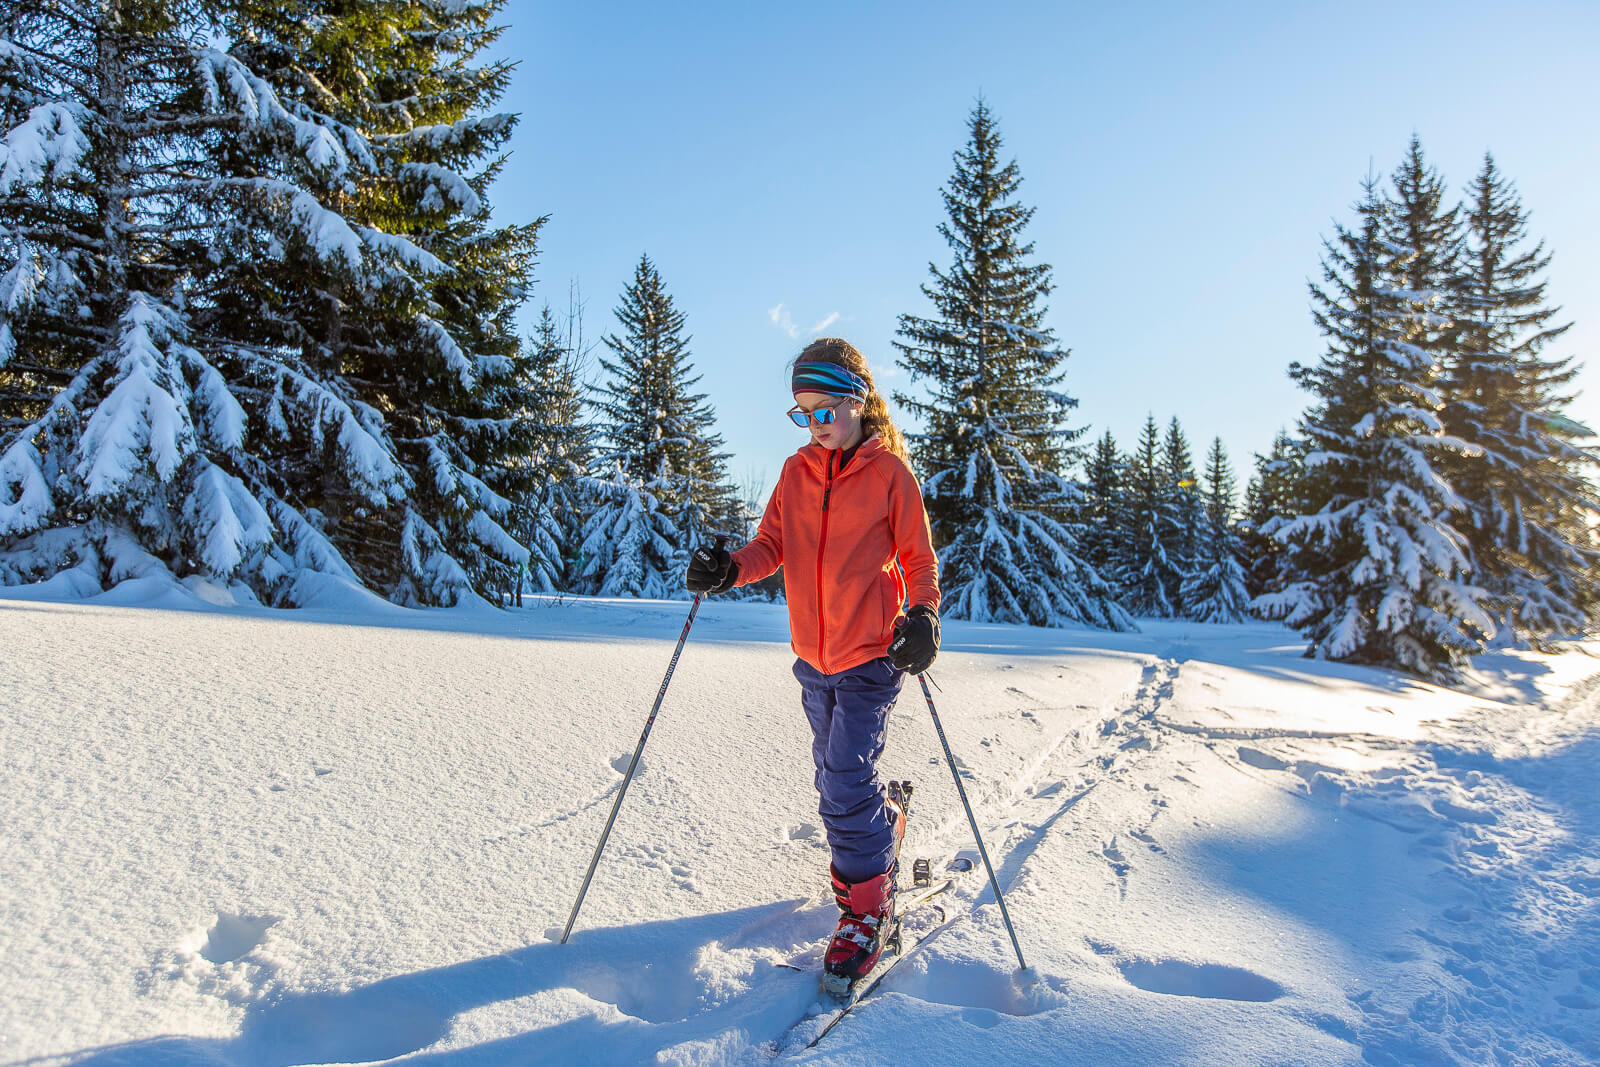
(141, 421)
(442, 187)
(442, 578)
(227, 86)
(400, 249)
(452, 135)
(311, 549)
(326, 231)
(20, 283)
(49, 141)
(357, 428)
(492, 536)
(25, 501)
(230, 521)
(225, 419)
(443, 345)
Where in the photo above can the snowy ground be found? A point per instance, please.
(233, 835)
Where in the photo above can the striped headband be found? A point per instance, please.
(828, 378)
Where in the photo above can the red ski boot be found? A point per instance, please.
(864, 927)
(867, 921)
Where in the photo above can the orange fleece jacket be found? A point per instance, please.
(853, 545)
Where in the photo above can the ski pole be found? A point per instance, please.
(950, 759)
(633, 764)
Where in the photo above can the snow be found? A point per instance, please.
(24, 495)
(446, 188)
(352, 833)
(20, 283)
(141, 422)
(50, 141)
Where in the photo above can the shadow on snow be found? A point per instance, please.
(614, 995)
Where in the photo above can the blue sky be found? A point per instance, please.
(782, 167)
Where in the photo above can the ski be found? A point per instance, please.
(897, 949)
(898, 945)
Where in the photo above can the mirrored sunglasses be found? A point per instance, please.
(801, 417)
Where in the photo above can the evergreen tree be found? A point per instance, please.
(1529, 505)
(188, 218)
(1377, 575)
(1102, 505)
(549, 515)
(1275, 490)
(996, 444)
(1215, 588)
(1188, 511)
(629, 544)
(125, 451)
(1424, 239)
(1145, 571)
(439, 353)
(666, 487)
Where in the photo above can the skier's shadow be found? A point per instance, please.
(614, 995)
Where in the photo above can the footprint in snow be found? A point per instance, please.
(233, 937)
(1210, 980)
(1116, 860)
(1261, 761)
(620, 764)
(1149, 841)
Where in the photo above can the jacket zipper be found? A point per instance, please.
(822, 544)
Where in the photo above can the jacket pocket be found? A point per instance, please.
(889, 597)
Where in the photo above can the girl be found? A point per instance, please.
(847, 524)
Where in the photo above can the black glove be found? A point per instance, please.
(916, 640)
(711, 570)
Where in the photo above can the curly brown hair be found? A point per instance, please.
(875, 413)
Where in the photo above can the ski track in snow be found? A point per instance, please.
(1212, 850)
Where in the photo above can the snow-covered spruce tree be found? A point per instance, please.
(1376, 573)
(664, 487)
(550, 513)
(1215, 590)
(1275, 489)
(1425, 239)
(1102, 509)
(170, 415)
(1529, 497)
(436, 351)
(1144, 568)
(125, 449)
(1188, 510)
(996, 443)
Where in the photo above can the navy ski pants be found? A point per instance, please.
(849, 714)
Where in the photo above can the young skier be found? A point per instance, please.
(847, 524)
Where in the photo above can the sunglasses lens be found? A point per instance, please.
(799, 418)
(823, 415)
